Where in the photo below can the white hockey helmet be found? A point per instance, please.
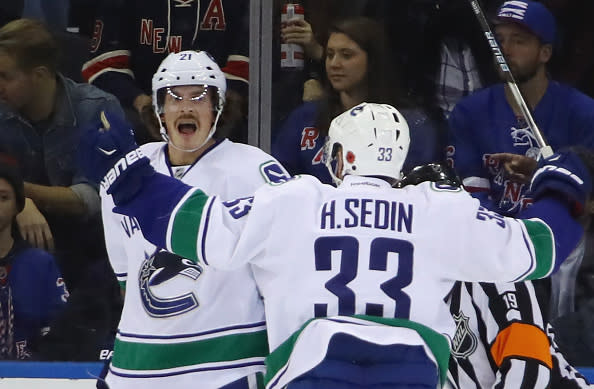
(188, 68)
(374, 140)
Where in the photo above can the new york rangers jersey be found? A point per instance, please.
(132, 37)
(484, 123)
(362, 248)
(182, 323)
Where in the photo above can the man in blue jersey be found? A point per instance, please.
(490, 144)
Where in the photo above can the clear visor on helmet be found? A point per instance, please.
(180, 96)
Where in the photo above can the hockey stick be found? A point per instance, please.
(545, 150)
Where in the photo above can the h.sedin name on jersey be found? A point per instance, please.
(369, 213)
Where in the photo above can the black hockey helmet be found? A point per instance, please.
(435, 172)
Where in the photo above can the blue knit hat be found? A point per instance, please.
(532, 15)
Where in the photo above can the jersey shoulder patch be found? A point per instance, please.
(274, 173)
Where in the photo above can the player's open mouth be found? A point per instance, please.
(187, 127)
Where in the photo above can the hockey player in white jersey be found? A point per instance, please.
(360, 254)
(184, 325)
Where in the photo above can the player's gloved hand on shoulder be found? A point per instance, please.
(109, 156)
(563, 175)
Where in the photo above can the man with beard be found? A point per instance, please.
(490, 144)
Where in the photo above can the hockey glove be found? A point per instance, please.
(565, 175)
(109, 156)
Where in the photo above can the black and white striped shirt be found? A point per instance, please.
(500, 341)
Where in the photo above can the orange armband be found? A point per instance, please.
(524, 341)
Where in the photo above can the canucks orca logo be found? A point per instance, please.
(465, 341)
(159, 268)
(274, 173)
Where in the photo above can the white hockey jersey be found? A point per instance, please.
(185, 325)
(363, 248)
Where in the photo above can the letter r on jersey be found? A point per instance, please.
(309, 135)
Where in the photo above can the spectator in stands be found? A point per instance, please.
(293, 86)
(358, 69)
(131, 38)
(41, 112)
(32, 291)
(490, 121)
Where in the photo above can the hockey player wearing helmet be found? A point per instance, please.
(188, 97)
(353, 277)
(182, 325)
(372, 140)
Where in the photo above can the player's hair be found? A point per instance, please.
(382, 71)
(31, 43)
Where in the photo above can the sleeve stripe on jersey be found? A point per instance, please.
(118, 60)
(524, 341)
(184, 241)
(204, 232)
(533, 260)
(543, 242)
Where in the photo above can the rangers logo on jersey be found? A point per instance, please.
(465, 341)
(512, 197)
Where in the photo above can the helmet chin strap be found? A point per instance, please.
(333, 170)
(208, 137)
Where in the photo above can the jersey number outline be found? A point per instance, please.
(348, 247)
